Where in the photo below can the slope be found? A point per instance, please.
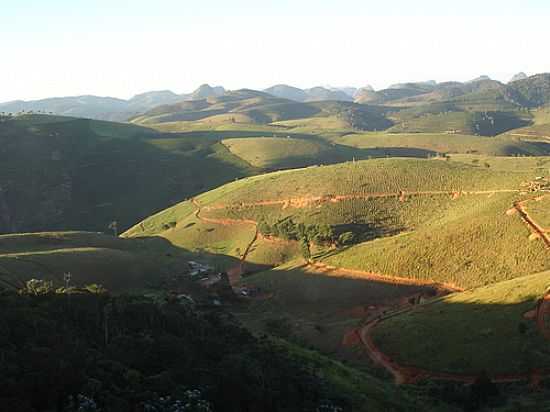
(489, 324)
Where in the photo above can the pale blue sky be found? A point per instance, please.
(120, 48)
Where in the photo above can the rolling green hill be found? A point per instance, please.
(473, 331)
(422, 219)
(473, 123)
(272, 152)
(59, 173)
(117, 264)
(252, 107)
(504, 145)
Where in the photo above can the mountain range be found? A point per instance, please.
(524, 91)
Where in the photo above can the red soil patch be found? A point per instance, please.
(305, 201)
(534, 226)
(396, 280)
(351, 338)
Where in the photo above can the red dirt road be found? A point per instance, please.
(535, 227)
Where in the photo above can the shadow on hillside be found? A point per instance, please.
(325, 292)
(363, 232)
(119, 264)
(467, 337)
(217, 135)
(544, 147)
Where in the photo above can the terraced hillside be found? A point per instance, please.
(429, 220)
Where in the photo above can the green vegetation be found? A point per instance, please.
(473, 331)
(119, 353)
(439, 234)
(266, 152)
(448, 143)
(118, 264)
(61, 173)
(479, 123)
(471, 243)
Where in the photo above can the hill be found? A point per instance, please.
(120, 265)
(249, 107)
(489, 325)
(429, 220)
(447, 143)
(273, 152)
(313, 94)
(487, 123)
(59, 173)
(107, 108)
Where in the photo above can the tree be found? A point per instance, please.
(37, 287)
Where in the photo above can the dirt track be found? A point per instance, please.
(408, 374)
(301, 202)
(236, 272)
(401, 373)
(395, 280)
(537, 229)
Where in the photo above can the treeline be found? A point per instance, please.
(319, 234)
(82, 349)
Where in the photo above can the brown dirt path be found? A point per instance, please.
(403, 374)
(396, 280)
(535, 227)
(304, 201)
(235, 273)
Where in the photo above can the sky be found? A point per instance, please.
(121, 48)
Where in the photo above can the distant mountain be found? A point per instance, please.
(287, 92)
(205, 91)
(314, 94)
(427, 84)
(251, 106)
(479, 79)
(350, 91)
(322, 93)
(152, 99)
(533, 91)
(93, 107)
(481, 92)
(518, 76)
(107, 108)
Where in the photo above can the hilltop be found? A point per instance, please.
(430, 220)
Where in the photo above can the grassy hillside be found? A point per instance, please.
(440, 234)
(276, 152)
(61, 173)
(447, 143)
(472, 331)
(252, 107)
(471, 243)
(117, 264)
(488, 123)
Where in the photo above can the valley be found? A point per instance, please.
(390, 245)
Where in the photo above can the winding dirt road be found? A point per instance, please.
(408, 374)
(304, 201)
(535, 227)
(401, 373)
(235, 273)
